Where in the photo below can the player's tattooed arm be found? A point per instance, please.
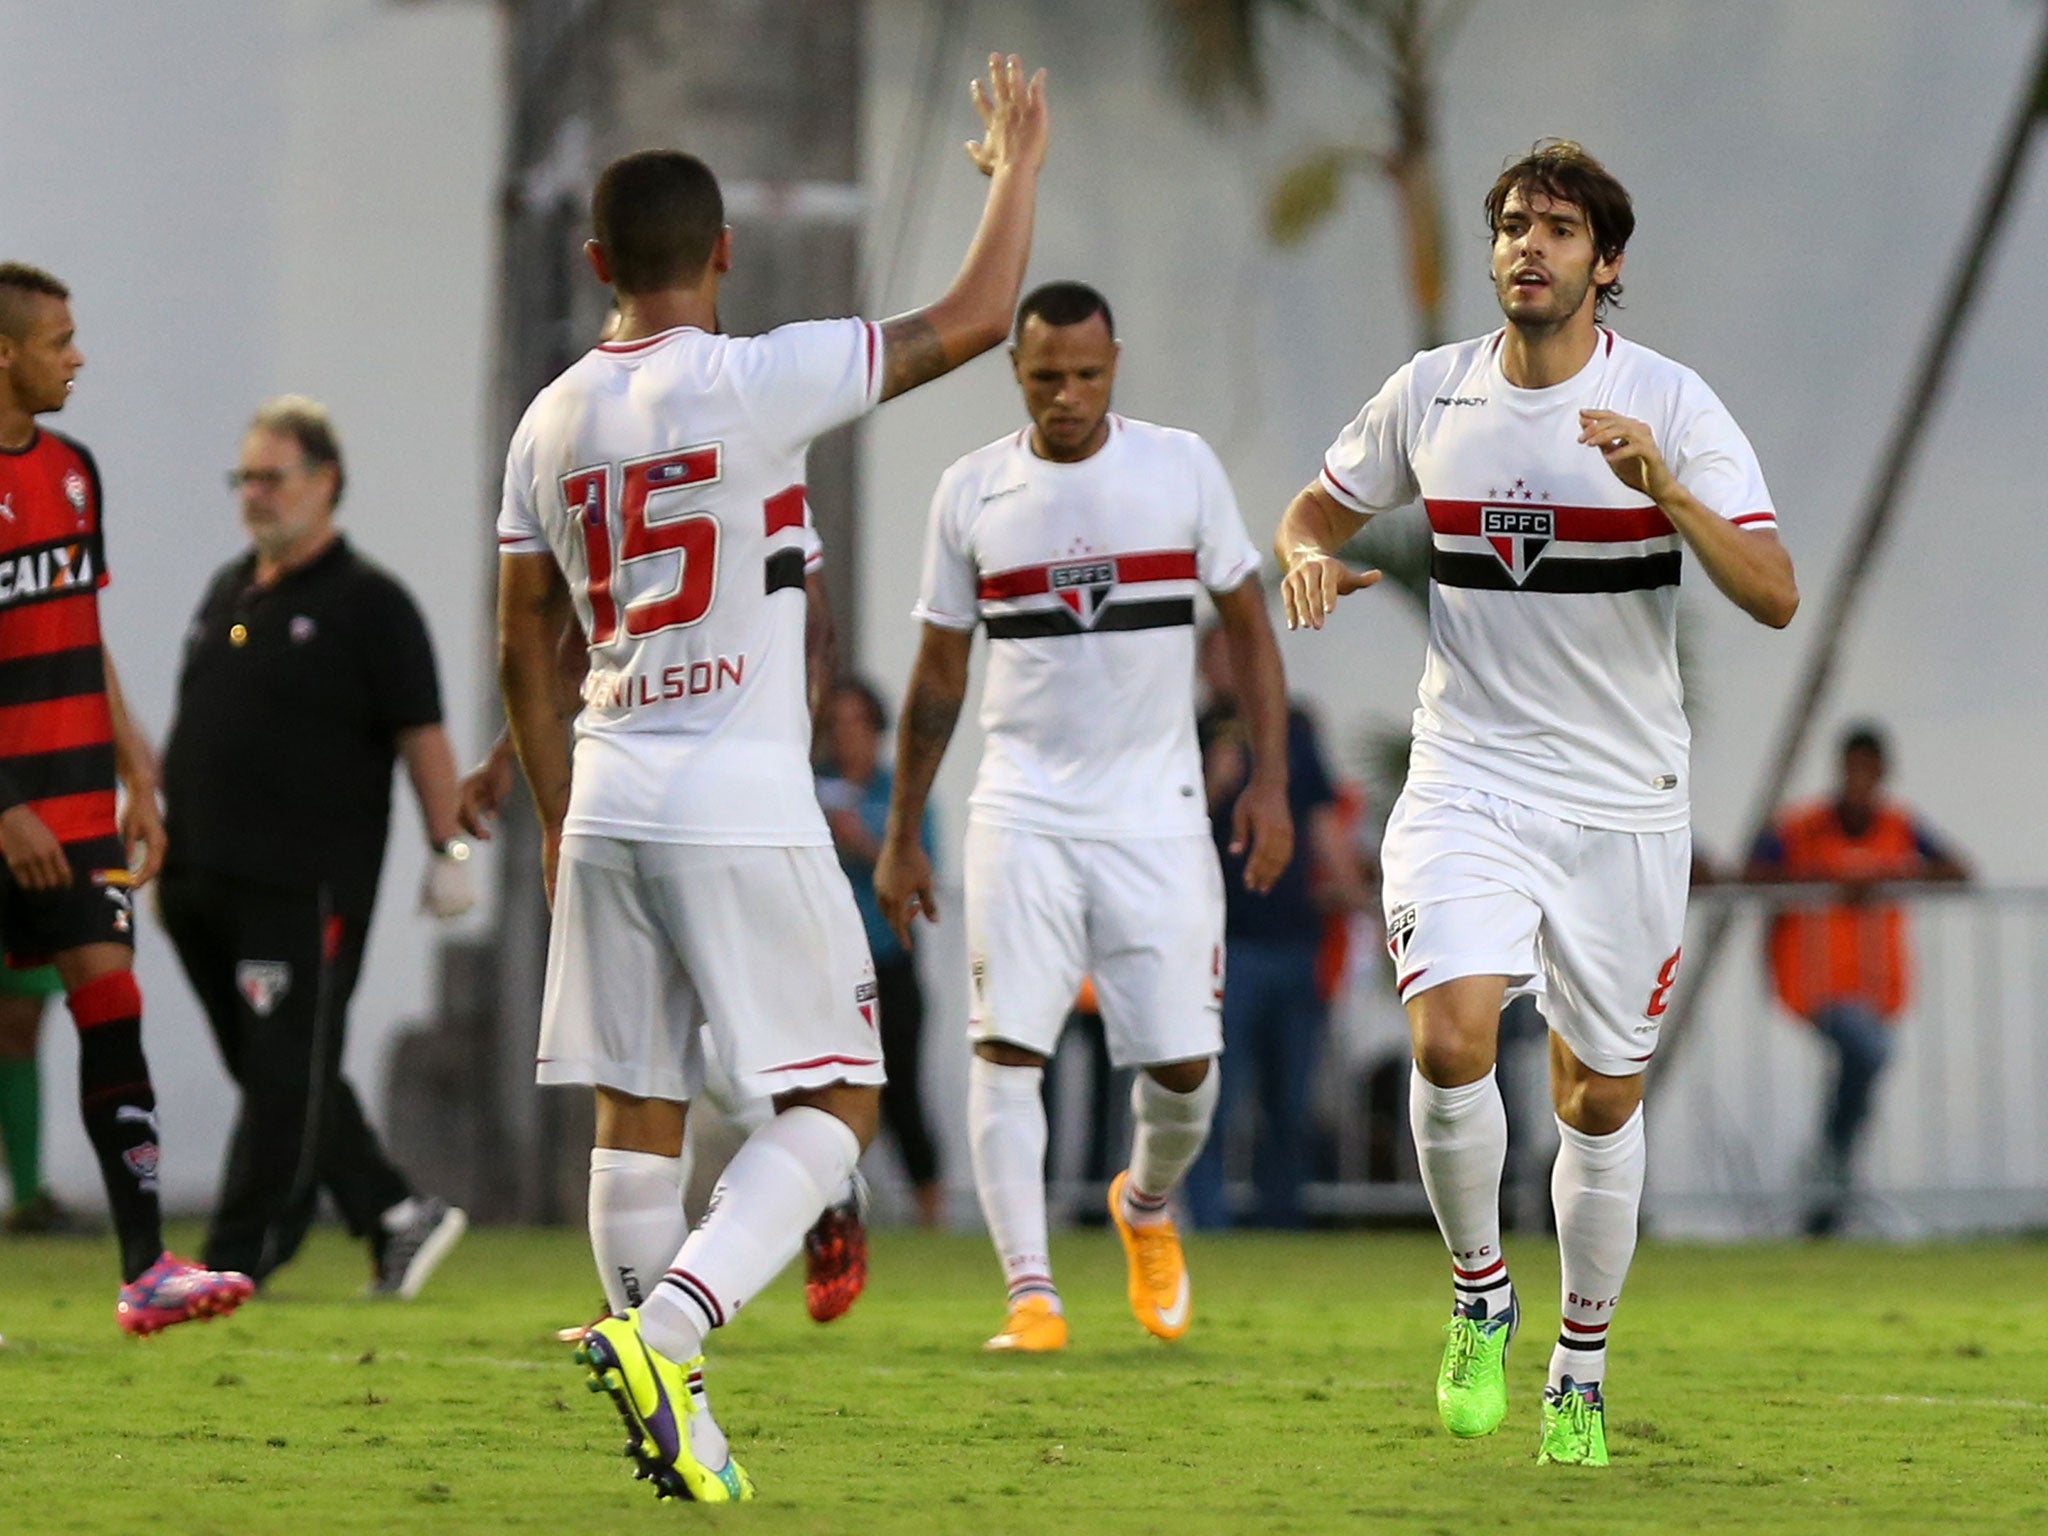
(913, 353)
(931, 708)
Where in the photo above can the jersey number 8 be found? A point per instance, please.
(643, 534)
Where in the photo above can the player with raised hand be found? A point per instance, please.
(67, 886)
(1542, 845)
(656, 492)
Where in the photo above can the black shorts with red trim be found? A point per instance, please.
(95, 908)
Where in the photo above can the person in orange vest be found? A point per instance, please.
(1844, 968)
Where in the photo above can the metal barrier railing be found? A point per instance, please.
(1956, 1139)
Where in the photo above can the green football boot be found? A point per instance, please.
(1472, 1385)
(1574, 1426)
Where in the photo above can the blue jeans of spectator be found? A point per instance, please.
(1272, 1036)
(1863, 1044)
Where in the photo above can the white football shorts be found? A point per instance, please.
(1143, 916)
(1584, 919)
(655, 945)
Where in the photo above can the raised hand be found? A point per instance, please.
(1014, 120)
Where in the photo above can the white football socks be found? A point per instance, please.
(772, 1191)
(1596, 1186)
(1461, 1141)
(636, 1221)
(1168, 1135)
(1006, 1134)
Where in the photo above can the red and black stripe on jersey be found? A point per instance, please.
(56, 731)
(1085, 595)
(1530, 548)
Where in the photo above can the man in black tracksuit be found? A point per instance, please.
(307, 673)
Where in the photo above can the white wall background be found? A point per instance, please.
(250, 197)
(1802, 171)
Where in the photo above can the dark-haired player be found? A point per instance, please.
(1542, 844)
(656, 490)
(1080, 543)
(66, 891)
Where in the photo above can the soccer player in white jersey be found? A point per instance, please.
(1079, 544)
(656, 491)
(1542, 843)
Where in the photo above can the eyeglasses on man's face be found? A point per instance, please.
(264, 479)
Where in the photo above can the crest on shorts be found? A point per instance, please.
(1400, 929)
(1519, 535)
(864, 998)
(263, 984)
(1083, 585)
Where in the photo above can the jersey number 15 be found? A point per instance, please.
(644, 533)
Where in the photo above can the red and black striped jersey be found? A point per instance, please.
(56, 731)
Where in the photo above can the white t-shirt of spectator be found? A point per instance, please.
(1085, 575)
(1552, 672)
(666, 477)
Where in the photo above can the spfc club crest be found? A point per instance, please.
(1083, 585)
(263, 984)
(865, 998)
(1400, 928)
(1519, 535)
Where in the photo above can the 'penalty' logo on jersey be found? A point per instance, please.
(1083, 585)
(1519, 535)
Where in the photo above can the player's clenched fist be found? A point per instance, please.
(1013, 117)
(1313, 584)
(1630, 449)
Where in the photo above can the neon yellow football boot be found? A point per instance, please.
(670, 1433)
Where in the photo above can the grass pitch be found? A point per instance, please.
(1835, 1388)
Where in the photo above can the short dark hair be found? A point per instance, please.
(871, 701)
(1063, 303)
(657, 214)
(1865, 736)
(1562, 170)
(19, 283)
(305, 422)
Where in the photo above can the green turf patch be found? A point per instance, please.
(1824, 1388)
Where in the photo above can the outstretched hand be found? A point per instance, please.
(1313, 584)
(1014, 120)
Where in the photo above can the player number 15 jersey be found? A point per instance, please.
(666, 478)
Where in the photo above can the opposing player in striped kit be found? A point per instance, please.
(66, 888)
(1542, 844)
(1080, 543)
